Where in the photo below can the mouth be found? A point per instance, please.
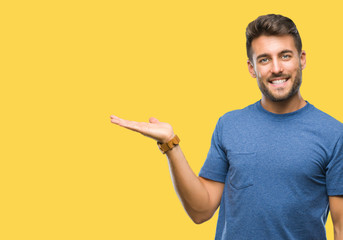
(278, 82)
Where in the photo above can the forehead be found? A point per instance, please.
(272, 45)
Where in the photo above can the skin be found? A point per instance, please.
(274, 57)
(336, 209)
(200, 197)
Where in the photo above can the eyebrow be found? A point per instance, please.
(266, 55)
(286, 51)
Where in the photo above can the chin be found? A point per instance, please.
(279, 99)
(283, 98)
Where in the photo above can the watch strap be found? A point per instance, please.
(165, 147)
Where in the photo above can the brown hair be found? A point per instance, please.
(271, 25)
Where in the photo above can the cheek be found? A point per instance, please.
(292, 67)
(259, 75)
(262, 73)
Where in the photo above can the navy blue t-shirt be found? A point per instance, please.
(278, 170)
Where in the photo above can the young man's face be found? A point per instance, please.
(277, 65)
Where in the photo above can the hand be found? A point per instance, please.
(159, 131)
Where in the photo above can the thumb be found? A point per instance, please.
(153, 120)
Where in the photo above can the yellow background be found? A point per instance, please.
(68, 173)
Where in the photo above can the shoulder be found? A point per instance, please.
(237, 117)
(239, 113)
(326, 121)
(324, 126)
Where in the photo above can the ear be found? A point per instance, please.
(303, 59)
(251, 69)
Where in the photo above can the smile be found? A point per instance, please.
(278, 81)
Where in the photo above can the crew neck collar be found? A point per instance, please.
(283, 116)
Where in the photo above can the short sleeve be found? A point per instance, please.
(216, 165)
(334, 170)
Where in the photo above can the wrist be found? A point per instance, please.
(167, 139)
(166, 146)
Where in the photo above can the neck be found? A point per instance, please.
(290, 105)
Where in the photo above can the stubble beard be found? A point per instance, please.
(294, 90)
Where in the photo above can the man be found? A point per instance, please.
(274, 167)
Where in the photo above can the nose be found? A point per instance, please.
(276, 67)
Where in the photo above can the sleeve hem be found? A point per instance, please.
(213, 176)
(335, 192)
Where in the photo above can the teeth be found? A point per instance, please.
(279, 81)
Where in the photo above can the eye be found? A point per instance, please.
(263, 60)
(286, 56)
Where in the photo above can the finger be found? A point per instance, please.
(140, 127)
(153, 120)
(114, 119)
(129, 124)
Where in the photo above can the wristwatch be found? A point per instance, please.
(165, 147)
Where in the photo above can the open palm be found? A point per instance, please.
(160, 131)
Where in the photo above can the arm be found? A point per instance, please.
(199, 196)
(336, 209)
